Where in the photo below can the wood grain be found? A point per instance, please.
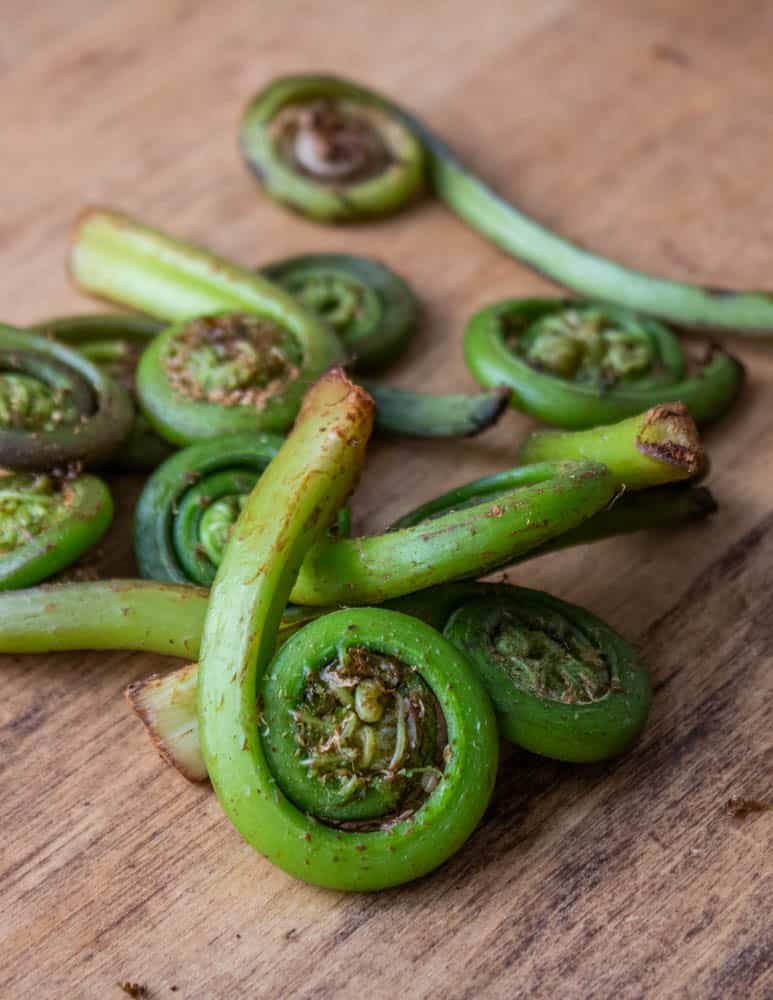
(640, 129)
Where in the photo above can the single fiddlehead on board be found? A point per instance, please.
(56, 407)
(414, 714)
(562, 682)
(114, 342)
(327, 156)
(580, 364)
(46, 522)
(288, 137)
(241, 351)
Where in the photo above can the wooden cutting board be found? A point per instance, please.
(643, 130)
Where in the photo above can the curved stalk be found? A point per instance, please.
(418, 414)
(542, 501)
(303, 183)
(252, 776)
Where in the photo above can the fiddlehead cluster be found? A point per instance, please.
(201, 488)
(243, 364)
(575, 364)
(46, 522)
(56, 407)
(288, 136)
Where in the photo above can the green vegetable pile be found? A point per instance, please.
(346, 696)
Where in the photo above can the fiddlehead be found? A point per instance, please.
(243, 364)
(46, 522)
(329, 157)
(277, 155)
(371, 309)
(375, 314)
(114, 342)
(563, 684)
(56, 408)
(578, 364)
(190, 504)
(220, 375)
(287, 512)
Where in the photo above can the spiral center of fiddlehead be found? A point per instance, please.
(27, 403)
(369, 734)
(233, 359)
(550, 658)
(336, 300)
(217, 523)
(585, 345)
(29, 505)
(329, 142)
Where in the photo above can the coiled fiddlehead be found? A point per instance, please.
(318, 106)
(375, 313)
(243, 363)
(56, 408)
(114, 342)
(581, 364)
(370, 308)
(220, 375)
(387, 667)
(190, 504)
(46, 522)
(563, 684)
(327, 156)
